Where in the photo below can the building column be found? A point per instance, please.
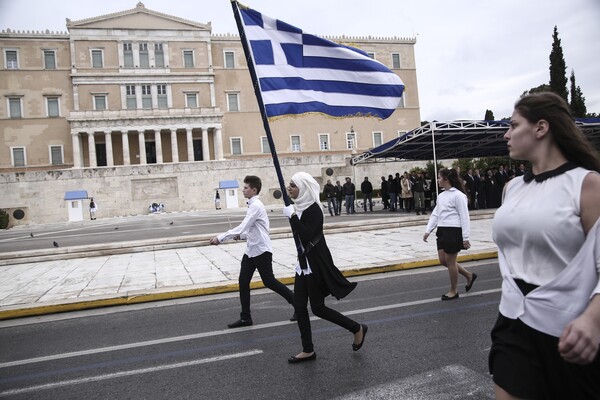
(125, 141)
(205, 151)
(92, 150)
(174, 148)
(218, 144)
(190, 144)
(76, 150)
(109, 150)
(142, 146)
(158, 142)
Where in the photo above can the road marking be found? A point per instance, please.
(222, 332)
(128, 373)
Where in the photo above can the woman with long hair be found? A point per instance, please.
(546, 338)
(316, 275)
(451, 217)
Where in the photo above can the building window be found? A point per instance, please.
(146, 96)
(324, 141)
(49, 59)
(11, 58)
(97, 59)
(264, 144)
(18, 156)
(191, 100)
(52, 106)
(236, 146)
(162, 96)
(188, 59)
(402, 133)
(396, 61)
(229, 59)
(56, 155)
(401, 103)
(371, 55)
(351, 140)
(99, 102)
(233, 103)
(144, 58)
(127, 55)
(130, 96)
(159, 55)
(377, 139)
(14, 107)
(295, 143)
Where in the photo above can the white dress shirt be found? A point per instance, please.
(254, 228)
(451, 210)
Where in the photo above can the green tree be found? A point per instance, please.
(578, 107)
(544, 87)
(558, 68)
(489, 115)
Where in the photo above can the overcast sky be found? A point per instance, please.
(471, 55)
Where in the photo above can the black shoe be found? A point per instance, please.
(356, 347)
(296, 360)
(424, 213)
(294, 317)
(470, 285)
(240, 323)
(418, 213)
(444, 297)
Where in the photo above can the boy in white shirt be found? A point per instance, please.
(259, 253)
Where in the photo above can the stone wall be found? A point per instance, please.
(129, 190)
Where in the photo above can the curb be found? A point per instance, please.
(227, 288)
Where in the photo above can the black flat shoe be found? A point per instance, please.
(444, 297)
(356, 347)
(468, 287)
(294, 317)
(240, 323)
(296, 360)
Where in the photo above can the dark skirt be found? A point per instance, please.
(449, 239)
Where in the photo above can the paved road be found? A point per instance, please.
(417, 347)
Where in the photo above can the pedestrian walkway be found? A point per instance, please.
(44, 287)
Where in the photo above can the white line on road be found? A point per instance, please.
(127, 373)
(221, 332)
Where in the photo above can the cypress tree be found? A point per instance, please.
(578, 107)
(489, 115)
(558, 68)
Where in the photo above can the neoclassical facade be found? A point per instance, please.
(142, 87)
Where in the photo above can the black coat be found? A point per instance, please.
(329, 279)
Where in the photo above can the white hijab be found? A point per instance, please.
(308, 192)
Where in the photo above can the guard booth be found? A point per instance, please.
(75, 204)
(230, 189)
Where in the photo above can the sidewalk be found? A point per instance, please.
(45, 287)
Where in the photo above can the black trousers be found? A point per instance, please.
(305, 288)
(264, 264)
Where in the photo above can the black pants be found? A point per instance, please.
(305, 289)
(264, 264)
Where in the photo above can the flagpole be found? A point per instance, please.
(261, 104)
(435, 178)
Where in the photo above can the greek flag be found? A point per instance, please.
(300, 73)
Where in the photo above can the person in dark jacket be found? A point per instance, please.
(367, 192)
(385, 196)
(329, 193)
(316, 275)
(393, 187)
(349, 191)
(339, 197)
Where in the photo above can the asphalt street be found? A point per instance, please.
(417, 346)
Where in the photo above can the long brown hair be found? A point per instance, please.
(451, 175)
(574, 145)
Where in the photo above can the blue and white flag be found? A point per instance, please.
(300, 73)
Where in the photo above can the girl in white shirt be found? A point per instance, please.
(451, 217)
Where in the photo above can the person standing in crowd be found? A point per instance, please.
(329, 193)
(471, 188)
(521, 170)
(393, 191)
(349, 191)
(546, 338)
(339, 197)
(480, 187)
(419, 194)
(258, 254)
(93, 208)
(385, 196)
(316, 275)
(406, 194)
(428, 192)
(367, 192)
(492, 193)
(451, 217)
